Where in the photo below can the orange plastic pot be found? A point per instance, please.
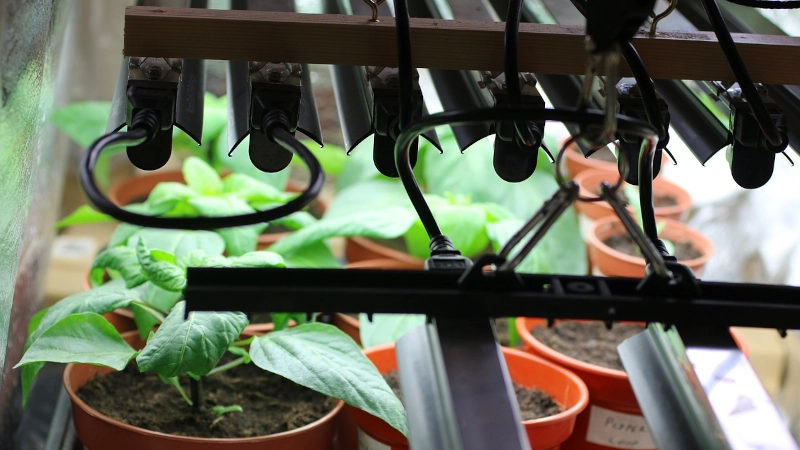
(526, 370)
(99, 432)
(613, 263)
(359, 249)
(589, 182)
(613, 413)
(350, 324)
(576, 162)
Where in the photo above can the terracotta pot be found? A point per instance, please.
(99, 432)
(576, 162)
(349, 324)
(609, 262)
(544, 434)
(137, 188)
(611, 396)
(589, 182)
(359, 249)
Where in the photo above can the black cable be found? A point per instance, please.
(768, 4)
(511, 43)
(582, 117)
(404, 66)
(142, 130)
(739, 70)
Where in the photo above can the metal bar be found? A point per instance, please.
(498, 295)
(666, 389)
(449, 410)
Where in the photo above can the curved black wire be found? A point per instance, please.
(646, 86)
(739, 70)
(768, 4)
(404, 65)
(138, 136)
(582, 117)
(511, 43)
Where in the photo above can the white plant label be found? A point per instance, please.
(618, 430)
(365, 442)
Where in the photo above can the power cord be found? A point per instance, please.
(145, 125)
(749, 90)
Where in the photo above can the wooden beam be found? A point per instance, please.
(437, 44)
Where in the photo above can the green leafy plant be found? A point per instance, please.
(205, 194)
(314, 355)
(472, 205)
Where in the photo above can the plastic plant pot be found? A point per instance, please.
(613, 413)
(613, 263)
(544, 434)
(99, 432)
(359, 249)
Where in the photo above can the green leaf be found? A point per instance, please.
(385, 223)
(193, 346)
(513, 335)
(201, 177)
(144, 319)
(121, 259)
(165, 196)
(252, 190)
(99, 300)
(161, 273)
(561, 251)
(160, 255)
(220, 410)
(80, 338)
(368, 196)
(241, 352)
(321, 357)
(83, 122)
(386, 328)
(331, 157)
(36, 320)
(293, 221)
(122, 234)
(281, 320)
(317, 255)
(160, 298)
(84, 215)
(258, 259)
(238, 240)
(465, 225)
(358, 167)
(178, 242)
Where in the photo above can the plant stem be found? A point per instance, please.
(182, 392)
(243, 343)
(226, 366)
(196, 387)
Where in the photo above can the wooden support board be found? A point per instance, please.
(437, 44)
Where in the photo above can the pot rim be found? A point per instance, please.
(703, 243)
(385, 252)
(156, 434)
(568, 361)
(574, 410)
(683, 201)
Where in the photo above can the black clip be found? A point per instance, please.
(612, 22)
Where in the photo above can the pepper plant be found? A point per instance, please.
(314, 355)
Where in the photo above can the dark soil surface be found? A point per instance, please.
(660, 201)
(272, 404)
(533, 403)
(589, 342)
(684, 251)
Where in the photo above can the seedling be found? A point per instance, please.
(314, 355)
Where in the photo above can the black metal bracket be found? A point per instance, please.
(437, 293)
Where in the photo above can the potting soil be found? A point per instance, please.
(271, 404)
(533, 403)
(589, 342)
(624, 243)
